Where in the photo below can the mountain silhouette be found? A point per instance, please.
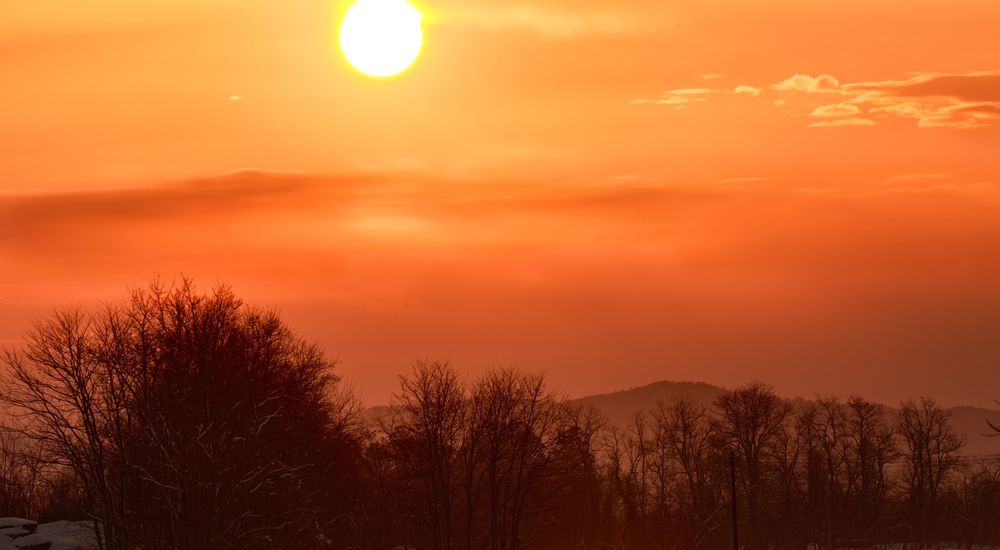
(619, 407)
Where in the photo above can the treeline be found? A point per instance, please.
(181, 420)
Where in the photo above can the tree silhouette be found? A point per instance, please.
(192, 421)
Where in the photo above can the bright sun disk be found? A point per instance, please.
(381, 37)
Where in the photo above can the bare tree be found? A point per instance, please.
(189, 419)
(750, 420)
(831, 440)
(630, 451)
(181, 420)
(20, 474)
(683, 429)
(583, 513)
(55, 391)
(931, 454)
(517, 419)
(870, 450)
(484, 458)
(786, 458)
(427, 423)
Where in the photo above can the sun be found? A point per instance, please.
(381, 37)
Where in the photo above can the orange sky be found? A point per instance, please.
(614, 192)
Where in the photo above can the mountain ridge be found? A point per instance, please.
(619, 406)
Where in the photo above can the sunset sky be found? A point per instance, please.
(801, 192)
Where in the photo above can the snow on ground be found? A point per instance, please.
(69, 535)
(18, 534)
(913, 546)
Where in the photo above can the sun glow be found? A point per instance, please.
(381, 37)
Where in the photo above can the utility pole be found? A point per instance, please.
(732, 495)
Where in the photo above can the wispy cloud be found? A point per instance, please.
(681, 97)
(678, 98)
(967, 100)
(747, 90)
(839, 115)
(974, 87)
(382, 270)
(823, 83)
(836, 110)
(853, 121)
(933, 100)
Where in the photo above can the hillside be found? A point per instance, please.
(619, 406)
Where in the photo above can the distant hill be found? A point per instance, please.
(618, 407)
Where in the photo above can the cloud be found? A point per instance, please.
(933, 100)
(854, 121)
(808, 84)
(959, 115)
(974, 87)
(564, 277)
(836, 110)
(679, 98)
(712, 76)
(747, 90)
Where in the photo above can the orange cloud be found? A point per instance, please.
(935, 99)
(808, 289)
(838, 115)
(851, 121)
(680, 97)
(808, 84)
(982, 86)
(970, 100)
(836, 110)
(747, 90)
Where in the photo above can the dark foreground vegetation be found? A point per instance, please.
(181, 420)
